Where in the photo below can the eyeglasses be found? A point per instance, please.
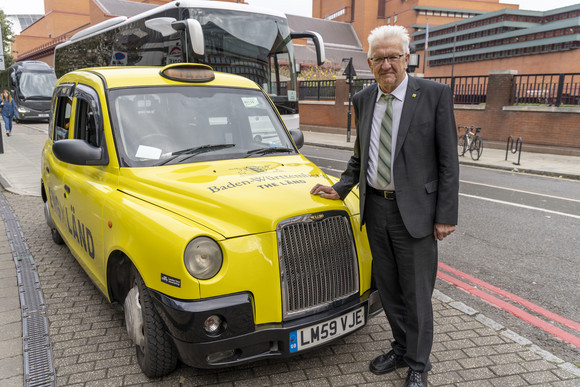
(379, 60)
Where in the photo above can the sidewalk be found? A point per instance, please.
(469, 348)
(530, 162)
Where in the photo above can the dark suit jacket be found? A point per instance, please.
(425, 167)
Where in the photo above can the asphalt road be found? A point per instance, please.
(516, 232)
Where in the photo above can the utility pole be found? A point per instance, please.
(350, 74)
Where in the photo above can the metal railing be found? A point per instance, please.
(546, 89)
(468, 90)
(533, 89)
(317, 90)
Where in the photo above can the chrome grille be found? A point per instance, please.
(318, 262)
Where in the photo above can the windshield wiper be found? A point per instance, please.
(263, 151)
(190, 152)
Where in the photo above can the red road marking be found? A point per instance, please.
(555, 331)
(513, 297)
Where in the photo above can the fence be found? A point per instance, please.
(468, 90)
(546, 89)
(317, 90)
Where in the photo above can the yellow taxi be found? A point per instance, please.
(185, 199)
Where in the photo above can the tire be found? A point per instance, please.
(462, 143)
(157, 355)
(476, 148)
(56, 238)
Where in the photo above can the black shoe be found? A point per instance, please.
(8, 134)
(416, 379)
(386, 363)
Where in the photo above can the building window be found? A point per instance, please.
(381, 9)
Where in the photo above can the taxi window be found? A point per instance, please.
(62, 117)
(87, 116)
(165, 125)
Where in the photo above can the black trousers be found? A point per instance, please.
(404, 271)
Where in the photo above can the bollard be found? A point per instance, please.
(510, 143)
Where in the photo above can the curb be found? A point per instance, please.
(474, 164)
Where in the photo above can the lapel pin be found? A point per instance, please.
(414, 95)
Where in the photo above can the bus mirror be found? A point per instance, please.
(194, 33)
(318, 43)
(161, 25)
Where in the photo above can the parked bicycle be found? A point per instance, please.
(470, 141)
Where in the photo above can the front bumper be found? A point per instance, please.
(33, 115)
(242, 341)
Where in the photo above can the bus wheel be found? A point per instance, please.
(156, 353)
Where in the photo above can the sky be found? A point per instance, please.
(294, 7)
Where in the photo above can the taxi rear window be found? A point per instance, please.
(168, 125)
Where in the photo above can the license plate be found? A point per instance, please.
(320, 333)
(43, 115)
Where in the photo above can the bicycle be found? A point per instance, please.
(470, 141)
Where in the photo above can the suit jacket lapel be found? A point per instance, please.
(366, 122)
(409, 106)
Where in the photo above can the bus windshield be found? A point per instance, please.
(36, 85)
(262, 52)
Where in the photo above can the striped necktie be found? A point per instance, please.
(384, 162)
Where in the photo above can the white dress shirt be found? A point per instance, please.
(380, 108)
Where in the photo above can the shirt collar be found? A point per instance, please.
(399, 92)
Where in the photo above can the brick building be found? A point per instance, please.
(487, 35)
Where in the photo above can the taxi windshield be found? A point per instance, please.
(164, 125)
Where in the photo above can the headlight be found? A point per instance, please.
(203, 258)
(22, 109)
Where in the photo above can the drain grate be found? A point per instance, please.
(37, 355)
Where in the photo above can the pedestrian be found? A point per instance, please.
(405, 162)
(8, 111)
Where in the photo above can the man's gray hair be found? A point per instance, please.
(389, 32)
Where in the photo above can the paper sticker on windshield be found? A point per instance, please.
(148, 152)
(250, 102)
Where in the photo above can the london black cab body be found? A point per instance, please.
(185, 199)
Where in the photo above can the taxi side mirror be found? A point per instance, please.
(298, 137)
(79, 152)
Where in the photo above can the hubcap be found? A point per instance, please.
(134, 317)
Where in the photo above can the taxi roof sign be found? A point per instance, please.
(188, 72)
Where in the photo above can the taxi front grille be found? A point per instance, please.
(318, 262)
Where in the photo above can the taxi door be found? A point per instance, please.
(52, 168)
(85, 188)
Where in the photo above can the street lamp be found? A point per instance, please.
(350, 73)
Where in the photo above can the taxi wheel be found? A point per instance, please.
(56, 238)
(157, 355)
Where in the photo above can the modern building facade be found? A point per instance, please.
(487, 35)
(508, 39)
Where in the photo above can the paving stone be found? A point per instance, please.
(445, 379)
(509, 381)
(346, 380)
(481, 373)
(540, 377)
(475, 362)
(507, 369)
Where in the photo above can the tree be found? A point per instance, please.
(7, 33)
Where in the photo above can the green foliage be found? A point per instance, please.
(327, 71)
(7, 33)
(6, 38)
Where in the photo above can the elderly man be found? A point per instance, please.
(405, 162)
